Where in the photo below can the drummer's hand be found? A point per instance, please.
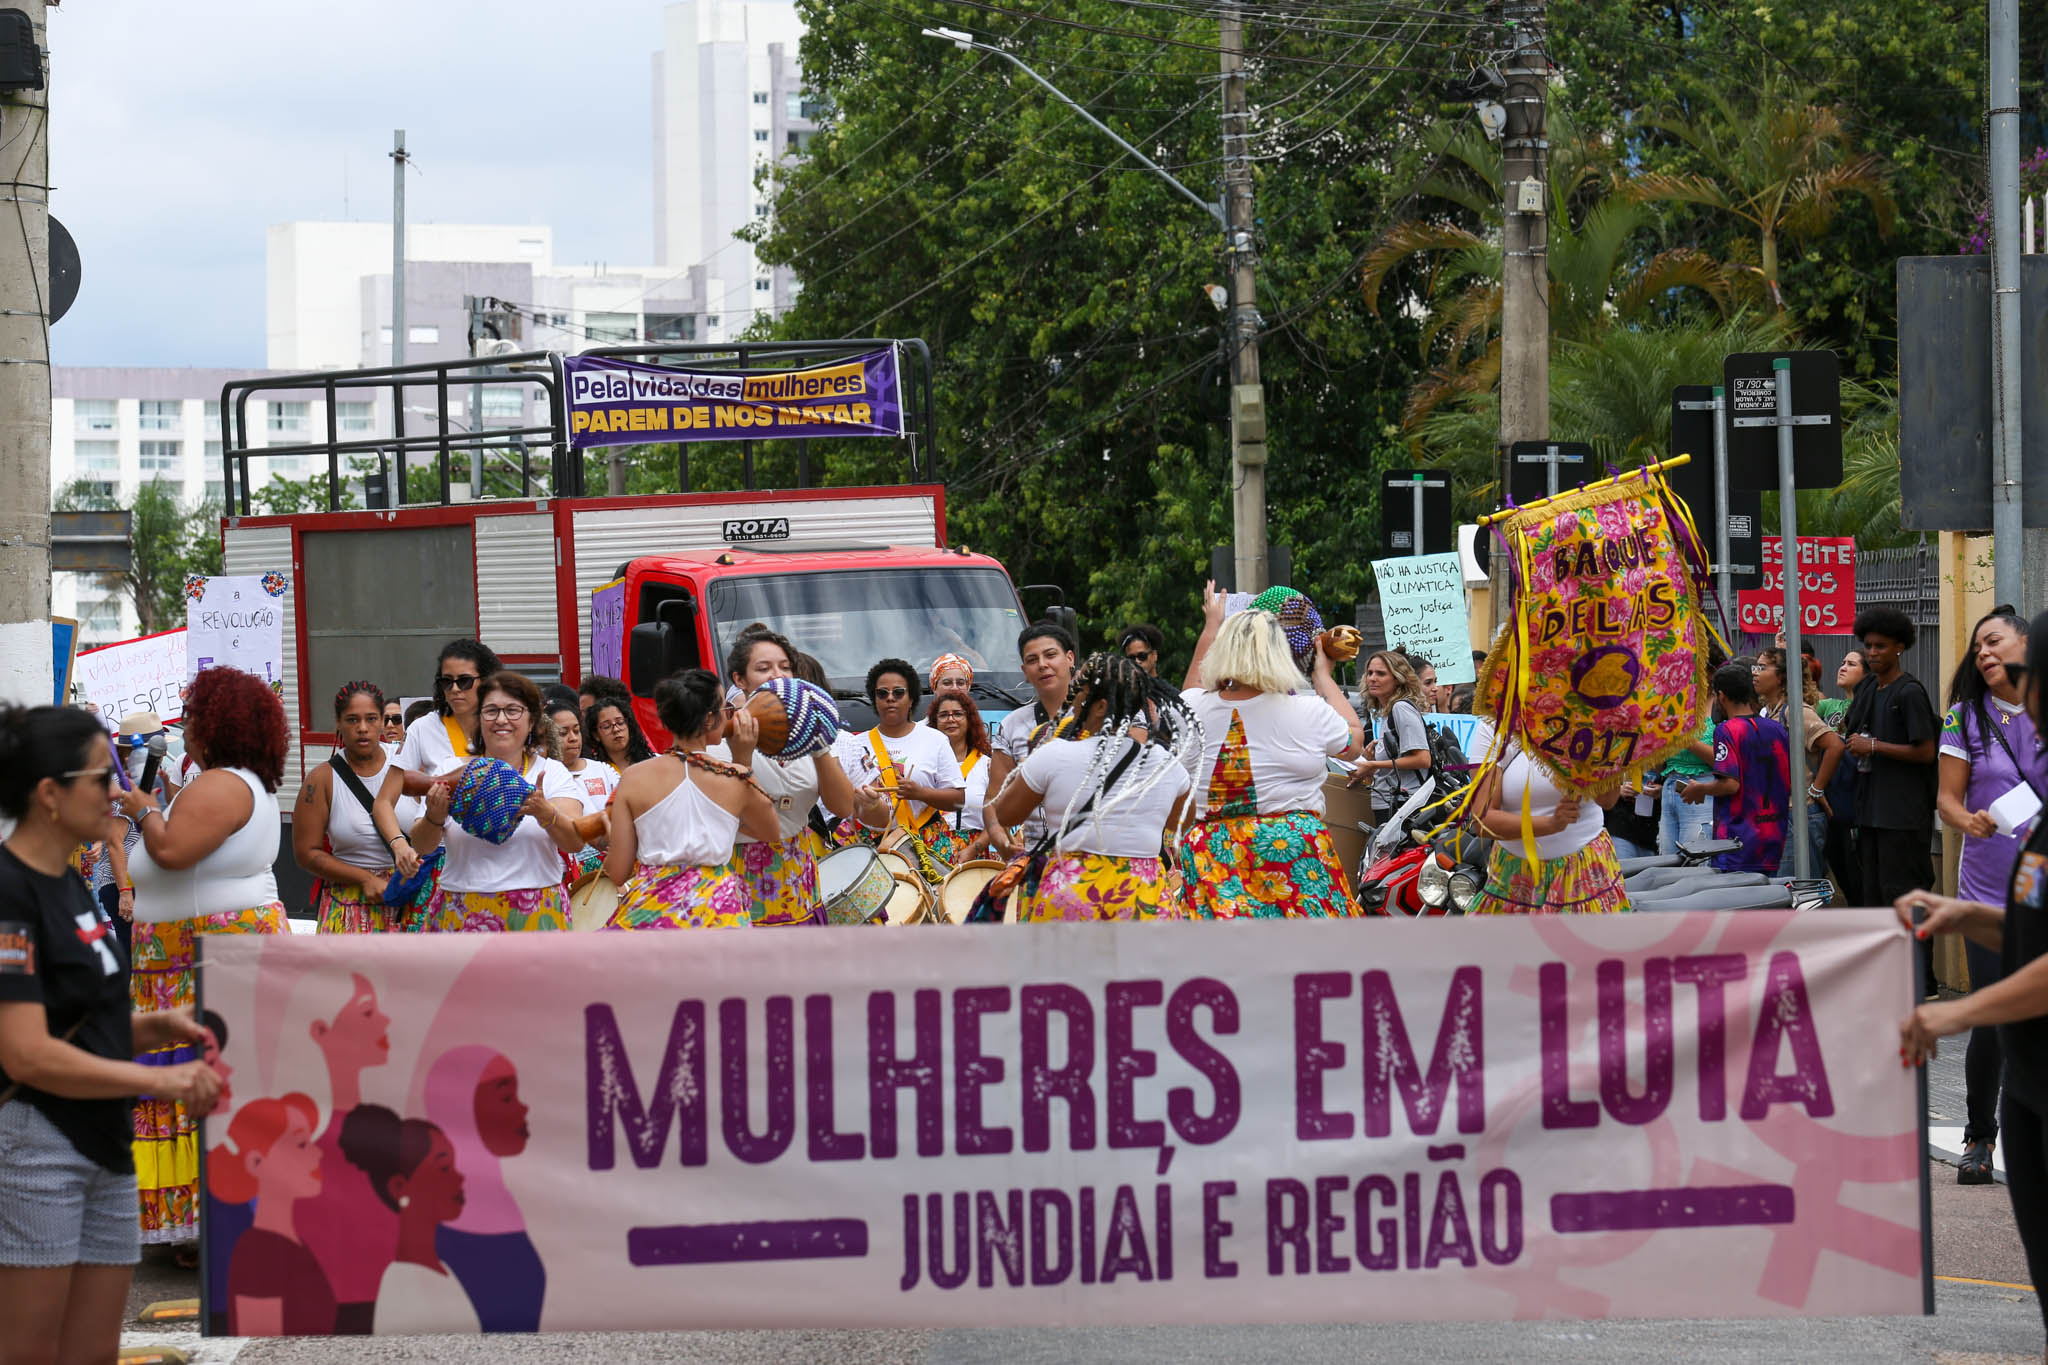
(742, 736)
(437, 802)
(914, 791)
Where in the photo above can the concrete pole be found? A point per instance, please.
(1525, 272)
(1247, 394)
(25, 396)
(398, 248)
(2004, 95)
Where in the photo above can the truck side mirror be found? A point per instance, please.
(1066, 618)
(646, 656)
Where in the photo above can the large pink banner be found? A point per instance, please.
(1601, 1116)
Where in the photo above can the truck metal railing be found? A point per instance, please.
(560, 471)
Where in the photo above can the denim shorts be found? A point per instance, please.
(56, 1207)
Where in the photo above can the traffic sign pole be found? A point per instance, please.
(1795, 667)
(1724, 578)
(1415, 548)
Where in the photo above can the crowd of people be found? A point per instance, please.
(1110, 795)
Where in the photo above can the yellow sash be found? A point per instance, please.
(890, 781)
(458, 739)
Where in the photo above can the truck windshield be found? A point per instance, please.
(848, 620)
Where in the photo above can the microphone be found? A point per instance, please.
(158, 747)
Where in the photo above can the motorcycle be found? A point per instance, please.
(1439, 876)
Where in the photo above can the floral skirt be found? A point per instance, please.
(1262, 866)
(1587, 882)
(948, 845)
(782, 879)
(672, 896)
(166, 1140)
(346, 908)
(498, 912)
(1097, 886)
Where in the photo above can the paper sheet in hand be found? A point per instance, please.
(2016, 808)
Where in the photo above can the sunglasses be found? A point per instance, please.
(103, 776)
(1139, 656)
(891, 693)
(457, 682)
(394, 717)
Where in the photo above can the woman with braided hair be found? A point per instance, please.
(334, 835)
(677, 817)
(1112, 780)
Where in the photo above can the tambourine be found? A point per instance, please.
(1340, 643)
(794, 718)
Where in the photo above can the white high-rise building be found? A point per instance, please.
(728, 99)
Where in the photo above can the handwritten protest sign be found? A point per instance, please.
(1827, 588)
(608, 629)
(146, 674)
(1528, 1116)
(1422, 600)
(236, 622)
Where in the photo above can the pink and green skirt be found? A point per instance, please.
(166, 1144)
(782, 878)
(499, 912)
(671, 896)
(346, 908)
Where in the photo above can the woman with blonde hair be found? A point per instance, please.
(1258, 845)
(1397, 759)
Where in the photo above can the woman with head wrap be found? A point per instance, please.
(1259, 845)
(1112, 785)
(951, 676)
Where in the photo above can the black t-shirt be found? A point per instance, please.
(2026, 938)
(1894, 794)
(56, 951)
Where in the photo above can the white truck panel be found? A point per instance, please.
(609, 537)
(257, 550)
(515, 583)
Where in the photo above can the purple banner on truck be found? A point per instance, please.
(616, 402)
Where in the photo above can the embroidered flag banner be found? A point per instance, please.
(1522, 1117)
(1603, 666)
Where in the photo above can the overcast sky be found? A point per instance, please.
(180, 132)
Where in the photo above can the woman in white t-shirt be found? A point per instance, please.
(782, 873)
(1259, 846)
(1567, 864)
(677, 818)
(516, 885)
(957, 718)
(1110, 793)
(595, 782)
(911, 765)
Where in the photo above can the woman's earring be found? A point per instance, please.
(403, 1200)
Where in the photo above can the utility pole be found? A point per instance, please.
(25, 659)
(1525, 270)
(1247, 394)
(398, 164)
(2004, 99)
(476, 400)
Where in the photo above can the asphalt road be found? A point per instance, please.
(1986, 1314)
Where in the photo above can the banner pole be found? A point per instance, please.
(1725, 577)
(1795, 668)
(1671, 462)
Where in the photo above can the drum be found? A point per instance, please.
(962, 885)
(901, 865)
(594, 903)
(854, 885)
(910, 902)
(794, 717)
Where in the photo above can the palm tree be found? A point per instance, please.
(1779, 163)
(1597, 279)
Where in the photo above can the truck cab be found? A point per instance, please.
(846, 605)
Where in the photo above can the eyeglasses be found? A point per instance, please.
(504, 713)
(103, 776)
(891, 693)
(457, 682)
(612, 727)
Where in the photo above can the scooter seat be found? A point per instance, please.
(1709, 848)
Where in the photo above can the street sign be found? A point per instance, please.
(1543, 469)
(91, 542)
(1692, 433)
(1400, 510)
(1223, 565)
(1816, 379)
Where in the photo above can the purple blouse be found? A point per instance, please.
(1986, 866)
